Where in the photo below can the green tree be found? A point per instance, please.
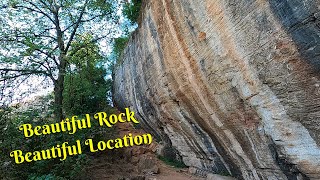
(85, 85)
(37, 36)
(132, 10)
(118, 47)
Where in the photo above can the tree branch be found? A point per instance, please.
(77, 25)
(23, 73)
(44, 3)
(83, 21)
(42, 35)
(23, 70)
(48, 54)
(15, 76)
(59, 33)
(84, 45)
(48, 68)
(37, 10)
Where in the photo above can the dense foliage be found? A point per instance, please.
(118, 47)
(86, 87)
(132, 10)
(39, 112)
(56, 40)
(36, 39)
(85, 91)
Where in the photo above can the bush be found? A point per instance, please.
(86, 91)
(13, 139)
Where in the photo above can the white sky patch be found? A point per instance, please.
(38, 88)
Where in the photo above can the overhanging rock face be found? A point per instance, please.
(232, 86)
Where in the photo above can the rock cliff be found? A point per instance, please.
(228, 86)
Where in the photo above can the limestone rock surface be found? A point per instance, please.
(228, 87)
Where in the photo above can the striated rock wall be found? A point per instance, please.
(229, 86)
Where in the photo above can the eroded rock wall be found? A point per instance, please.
(232, 86)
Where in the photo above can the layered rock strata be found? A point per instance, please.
(228, 86)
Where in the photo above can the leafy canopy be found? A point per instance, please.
(37, 37)
(85, 85)
(132, 10)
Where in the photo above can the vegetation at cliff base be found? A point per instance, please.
(55, 44)
(64, 45)
(39, 112)
(85, 92)
(172, 162)
(86, 87)
(37, 40)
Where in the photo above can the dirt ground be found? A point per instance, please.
(122, 164)
(124, 170)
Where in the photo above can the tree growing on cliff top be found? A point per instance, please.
(132, 10)
(36, 39)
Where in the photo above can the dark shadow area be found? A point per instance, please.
(301, 19)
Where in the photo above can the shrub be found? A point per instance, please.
(13, 139)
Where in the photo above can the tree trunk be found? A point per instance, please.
(58, 89)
